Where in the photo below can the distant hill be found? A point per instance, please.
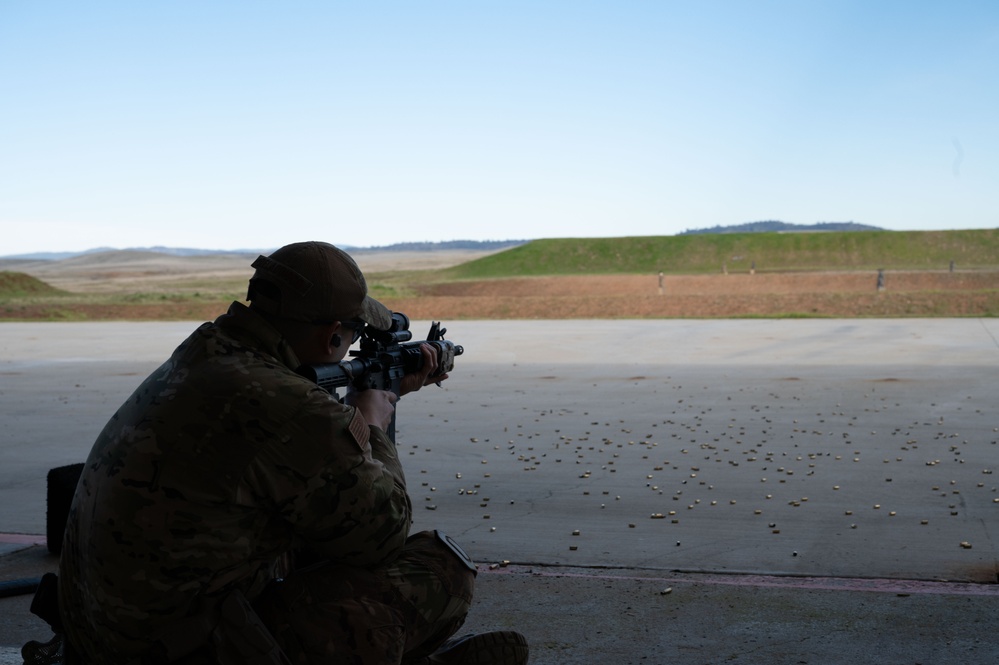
(475, 245)
(483, 245)
(173, 251)
(18, 285)
(773, 226)
(741, 252)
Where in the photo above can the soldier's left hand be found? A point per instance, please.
(424, 377)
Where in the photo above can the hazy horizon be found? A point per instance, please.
(443, 245)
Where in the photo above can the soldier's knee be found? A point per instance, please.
(448, 564)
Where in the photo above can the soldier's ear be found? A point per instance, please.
(316, 345)
(329, 335)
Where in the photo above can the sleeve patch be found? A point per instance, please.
(358, 429)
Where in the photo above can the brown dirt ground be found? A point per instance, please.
(843, 294)
(826, 294)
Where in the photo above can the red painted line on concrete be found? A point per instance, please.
(870, 585)
(22, 539)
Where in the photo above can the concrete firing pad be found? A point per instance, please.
(813, 447)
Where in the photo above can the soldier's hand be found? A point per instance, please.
(377, 406)
(424, 377)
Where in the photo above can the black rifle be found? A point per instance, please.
(385, 356)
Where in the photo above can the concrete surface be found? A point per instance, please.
(749, 491)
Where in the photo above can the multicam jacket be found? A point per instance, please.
(221, 462)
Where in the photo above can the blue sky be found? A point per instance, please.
(230, 125)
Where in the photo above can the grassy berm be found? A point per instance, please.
(854, 274)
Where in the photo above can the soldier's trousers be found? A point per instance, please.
(333, 614)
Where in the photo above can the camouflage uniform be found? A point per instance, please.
(221, 463)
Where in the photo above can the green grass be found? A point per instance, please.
(20, 285)
(738, 252)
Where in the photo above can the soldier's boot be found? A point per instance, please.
(502, 647)
(43, 653)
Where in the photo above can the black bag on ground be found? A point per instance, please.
(61, 487)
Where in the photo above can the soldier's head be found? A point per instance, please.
(314, 282)
(309, 285)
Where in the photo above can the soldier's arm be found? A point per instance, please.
(339, 484)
